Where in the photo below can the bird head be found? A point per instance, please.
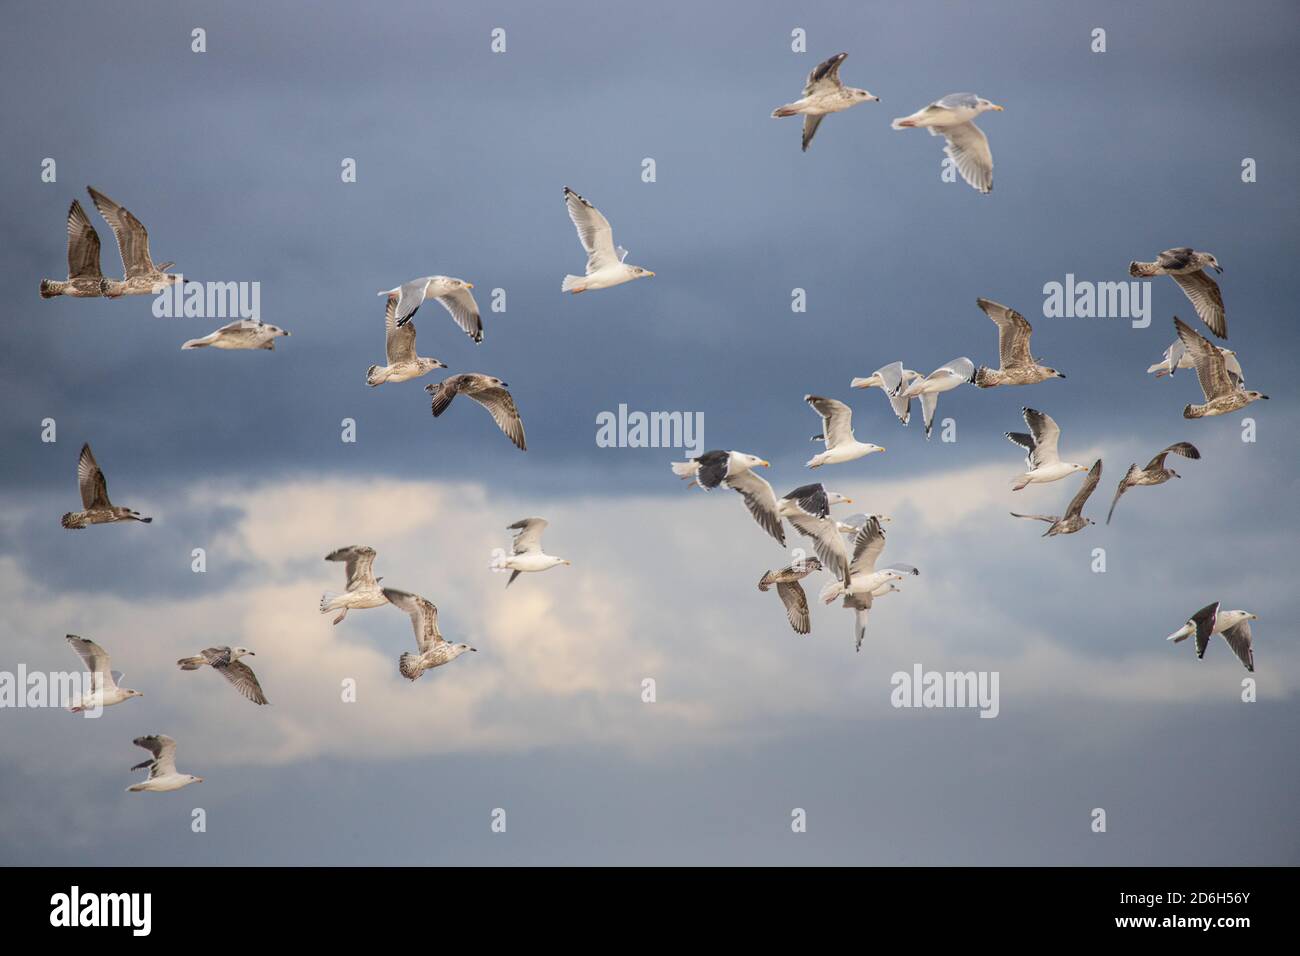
(871, 449)
(1213, 263)
(237, 652)
(194, 779)
(639, 273)
(835, 498)
(984, 105)
(134, 693)
(752, 461)
(864, 96)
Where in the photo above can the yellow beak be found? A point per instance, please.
(765, 464)
(998, 108)
(469, 285)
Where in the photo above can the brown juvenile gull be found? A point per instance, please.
(1221, 394)
(526, 552)
(1185, 266)
(1176, 357)
(823, 93)
(734, 470)
(226, 662)
(240, 334)
(94, 497)
(605, 265)
(399, 347)
(893, 380)
(1233, 625)
(791, 593)
(103, 690)
(363, 588)
(85, 280)
(452, 294)
(140, 275)
(1018, 366)
(434, 650)
(1155, 473)
(163, 776)
(953, 118)
(1073, 519)
(487, 391)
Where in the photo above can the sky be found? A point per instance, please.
(232, 158)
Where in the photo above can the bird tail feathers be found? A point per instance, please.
(409, 665)
(327, 601)
(371, 380)
(191, 663)
(194, 344)
(1136, 268)
(571, 282)
(831, 591)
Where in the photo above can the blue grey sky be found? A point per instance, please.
(232, 159)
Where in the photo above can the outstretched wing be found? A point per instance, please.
(825, 76)
(1186, 449)
(528, 535)
(83, 245)
(1238, 638)
(163, 749)
(132, 239)
(399, 340)
(796, 606)
(91, 481)
(501, 405)
(423, 614)
(760, 499)
(243, 679)
(1013, 333)
(1085, 490)
(594, 232)
(464, 310)
(360, 565)
(1211, 369)
(968, 148)
(1046, 435)
(867, 545)
(1203, 292)
(837, 419)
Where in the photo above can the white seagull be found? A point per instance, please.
(526, 552)
(1042, 458)
(734, 470)
(823, 93)
(953, 118)
(893, 380)
(452, 294)
(1177, 357)
(943, 379)
(837, 433)
(434, 650)
(865, 580)
(1233, 625)
(362, 589)
(162, 768)
(103, 690)
(605, 266)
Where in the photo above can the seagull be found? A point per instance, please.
(1233, 625)
(1043, 460)
(837, 433)
(487, 391)
(399, 346)
(240, 334)
(823, 93)
(1186, 266)
(434, 650)
(943, 379)
(226, 662)
(808, 509)
(791, 593)
(1177, 356)
(103, 690)
(734, 470)
(1221, 395)
(605, 266)
(85, 280)
(865, 580)
(1018, 366)
(893, 380)
(1073, 519)
(363, 588)
(94, 497)
(1155, 472)
(162, 768)
(452, 294)
(953, 118)
(140, 275)
(526, 552)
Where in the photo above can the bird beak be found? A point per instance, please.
(882, 447)
(252, 653)
(1219, 269)
(1254, 617)
(649, 274)
(505, 384)
(567, 563)
(474, 649)
(848, 501)
(998, 108)
(469, 285)
(766, 464)
(198, 780)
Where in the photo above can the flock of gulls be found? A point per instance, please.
(848, 551)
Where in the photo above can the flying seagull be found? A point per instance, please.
(1186, 267)
(103, 690)
(434, 650)
(362, 589)
(791, 593)
(1073, 519)
(734, 470)
(526, 552)
(240, 334)
(1177, 356)
(1221, 394)
(837, 433)
(85, 280)
(943, 379)
(953, 118)
(453, 294)
(823, 93)
(1017, 365)
(226, 662)
(1233, 625)
(893, 380)
(1155, 472)
(162, 768)
(605, 266)
(399, 347)
(94, 497)
(1042, 458)
(866, 581)
(808, 509)
(487, 391)
(140, 275)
